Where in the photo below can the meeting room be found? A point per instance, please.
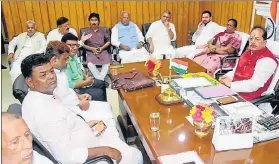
(140, 82)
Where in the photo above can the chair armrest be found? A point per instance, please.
(228, 58)
(173, 43)
(146, 45)
(98, 159)
(262, 99)
(20, 88)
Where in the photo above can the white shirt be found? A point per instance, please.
(114, 36)
(207, 33)
(159, 33)
(264, 68)
(27, 49)
(66, 136)
(54, 35)
(40, 159)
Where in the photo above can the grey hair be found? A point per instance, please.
(31, 22)
(167, 11)
(124, 12)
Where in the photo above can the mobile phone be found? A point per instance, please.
(98, 128)
(131, 75)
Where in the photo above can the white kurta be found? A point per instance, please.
(65, 135)
(39, 159)
(134, 55)
(206, 34)
(55, 35)
(98, 110)
(161, 40)
(27, 50)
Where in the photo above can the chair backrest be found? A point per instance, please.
(20, 88)
(37, 146)
(145, 28)
(274, 86)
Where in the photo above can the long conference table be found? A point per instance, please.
(176, 134)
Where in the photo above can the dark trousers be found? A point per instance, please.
(97, 91)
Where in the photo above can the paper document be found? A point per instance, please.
(195, 99)
(214, 91)
(192, 82)
(181, 158)
(242, 108)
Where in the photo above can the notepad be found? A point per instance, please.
(181, 158)
(214, 91)
(192, 82)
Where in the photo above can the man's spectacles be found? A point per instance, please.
(73, 45)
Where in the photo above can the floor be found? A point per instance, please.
(6, 86)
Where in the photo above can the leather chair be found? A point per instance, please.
(37, 146)
(20, 88)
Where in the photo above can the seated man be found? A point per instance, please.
(127, 36)
(27, 43)
(58, 54)
(159, 36)
(17, 142)
(206, 30)
(77, 79)
(67, 136)
(97, 45)
(255, 69)
(63, 27)
(223, 44)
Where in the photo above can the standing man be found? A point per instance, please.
(127, 36)
(97, 45)
(159, 36)
(206, 30)
(27, 43)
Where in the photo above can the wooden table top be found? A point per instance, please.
(176, 134)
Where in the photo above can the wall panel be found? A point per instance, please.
(186, 14)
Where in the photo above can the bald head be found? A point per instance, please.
(125, 17)
(16, 140)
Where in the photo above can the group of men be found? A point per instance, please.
(64, 103)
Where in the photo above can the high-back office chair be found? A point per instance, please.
(37, 146)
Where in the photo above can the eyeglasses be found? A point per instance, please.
(255, 39)
(73, 45)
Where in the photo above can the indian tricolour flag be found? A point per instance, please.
(179, 66)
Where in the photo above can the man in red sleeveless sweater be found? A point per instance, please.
(255, 68)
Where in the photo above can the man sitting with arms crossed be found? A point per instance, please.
(206, 30)
(17, 142)
(77, 79)
(159, 36)
(255, 68)
(67, 136)
(127, 36)
(27, 43)
(58, 54)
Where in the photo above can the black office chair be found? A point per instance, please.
(20, 88)
(37, 146)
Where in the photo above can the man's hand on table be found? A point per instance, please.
(225, 80)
